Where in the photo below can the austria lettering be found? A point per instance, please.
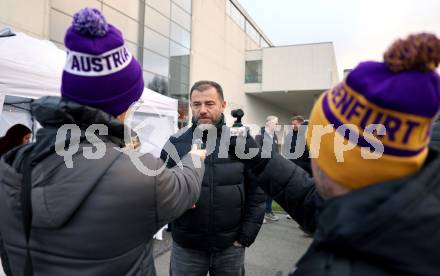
(97, 65)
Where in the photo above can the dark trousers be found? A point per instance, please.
(190, 262)
(268, 204)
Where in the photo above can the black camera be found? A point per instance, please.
(237, 128)
(238, 114)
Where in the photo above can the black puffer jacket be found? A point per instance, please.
(435, 136)
(391, 228)
(295, 137)
(228, 209)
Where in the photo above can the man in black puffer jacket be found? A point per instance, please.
(213, 235)
(299, 127)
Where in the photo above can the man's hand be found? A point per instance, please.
(198, 156)
(237, 244)
(201, 153)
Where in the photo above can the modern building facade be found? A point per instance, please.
(179, 42)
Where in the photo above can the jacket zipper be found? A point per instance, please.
(242, 201)
(211, 197)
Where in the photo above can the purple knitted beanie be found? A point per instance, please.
(100, 71)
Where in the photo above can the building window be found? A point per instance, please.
(237, 17)
(181, 17)
(253, 71)
(156, 83)
(233, 12)
(163, 6)
(180, 35)
(166, 50)
(179, 54)
(179, 73)
(253, 34)
(156, 21)
(156, 42)
(156, 63)
(185, 4)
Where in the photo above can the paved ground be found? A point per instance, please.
(278, 246)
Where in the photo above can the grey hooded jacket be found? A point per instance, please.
(97, 218)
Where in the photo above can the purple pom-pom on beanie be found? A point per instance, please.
(100, 71)
(90, 21)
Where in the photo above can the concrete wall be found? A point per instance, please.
(307, 67)
(218, 53)
(30, 17)
(299, 67)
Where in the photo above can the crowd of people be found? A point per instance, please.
(368, 216)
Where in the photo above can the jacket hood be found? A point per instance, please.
(57, 191)
(53, 112)
(396, 222)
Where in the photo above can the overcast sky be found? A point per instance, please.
(360, 29)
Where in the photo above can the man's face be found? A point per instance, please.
(296, 124)
(206, 106)
(325, 187)
(273, 125)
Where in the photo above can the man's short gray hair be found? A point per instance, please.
(271, 118)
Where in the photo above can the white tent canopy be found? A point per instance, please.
(32, 68)
(2, 98)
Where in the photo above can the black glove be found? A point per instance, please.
(257, 163)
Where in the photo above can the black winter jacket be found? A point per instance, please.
(435, 136)
(289, 149)
(229, 208)
(391, 228)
